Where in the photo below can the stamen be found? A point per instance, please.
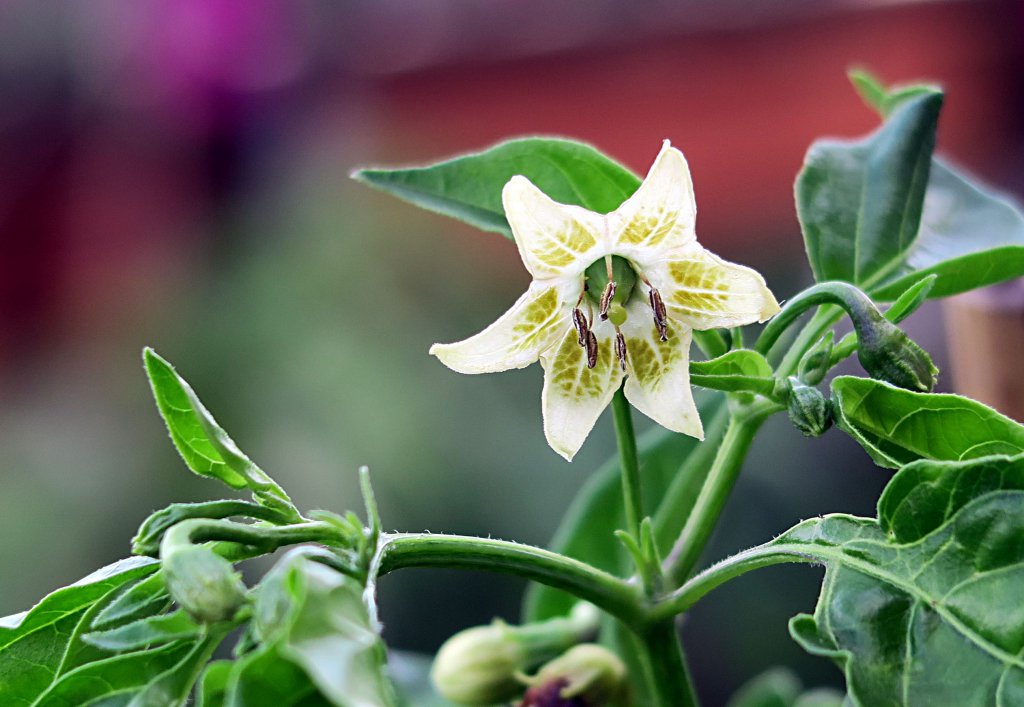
(660, 315)
(580, 322)
(620, 348)
(606, 298)
(591, 350)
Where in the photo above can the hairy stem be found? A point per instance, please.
(668, 678)
(713, 495)
(616, 596)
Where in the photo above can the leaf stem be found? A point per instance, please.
(618, 597)
(628, 463)
(713, 495)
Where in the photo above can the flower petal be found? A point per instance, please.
(661, 213)
(658, 384)
(705, 292)
(574, 396)
(553, 239)
(517, 338)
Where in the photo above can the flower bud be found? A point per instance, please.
(478, 666)
(888, 354)
(815, 363)
(203, 583)
(809, 410)
(587, 675)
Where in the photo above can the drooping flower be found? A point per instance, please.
(613, 296)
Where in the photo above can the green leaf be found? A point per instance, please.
(114, 680)
(34, 645)
(151, 631)
(925, 494)
(213, 684)
(202, 443)
(587, 529)
(897, 426)
(144, 598)
(265, 678)
(469, 187)
(970, 236)
(741, 370)
(860, 202)
(313, 621)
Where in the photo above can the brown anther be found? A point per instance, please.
(580, 322)
(620, 349)
(606, 298)
(660, 315)
(591, 349)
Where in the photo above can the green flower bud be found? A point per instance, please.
(809, 410)
(888, 354)
(478, 666)
(482, 665)
(203, 583)
(589, 675)
(815, 363)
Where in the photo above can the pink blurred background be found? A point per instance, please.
(176, 174)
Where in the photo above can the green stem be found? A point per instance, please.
(719, 573)
(262, 539)
(628, 463)
(713, 495)
(664, 664)
(823, 320)
(616, 596)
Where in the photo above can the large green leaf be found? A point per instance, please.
(897, 426)
(469, 187)
(921, 607)
(860, 202)
(587, 529)
(970, 237)
(34, 646)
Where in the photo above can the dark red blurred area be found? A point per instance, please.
(126, 131)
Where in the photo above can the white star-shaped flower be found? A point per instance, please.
(613, 296)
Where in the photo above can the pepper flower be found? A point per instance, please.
(613, 296)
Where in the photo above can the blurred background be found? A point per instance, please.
(175, 174)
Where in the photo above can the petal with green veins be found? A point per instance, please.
(574, 396)
(517, 338)
(658, 384)
(554, 240)
(705, 292)
(660, 215)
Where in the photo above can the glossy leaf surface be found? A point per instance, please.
(898, 426)
(469, 187)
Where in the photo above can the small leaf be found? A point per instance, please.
(151, 631)
(213, 684)
(469, 187)
(860, 202)
(315, 619)
(897, 426)
(202, 443)
(777, 687)
(587, 529)
(147, 539)
(741, 370)
(141, 599)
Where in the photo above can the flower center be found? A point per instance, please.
(610, 283)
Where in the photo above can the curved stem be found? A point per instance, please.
(616, 596)
(713, 495)
(721, 572)
(628, 463)
(263, 539)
